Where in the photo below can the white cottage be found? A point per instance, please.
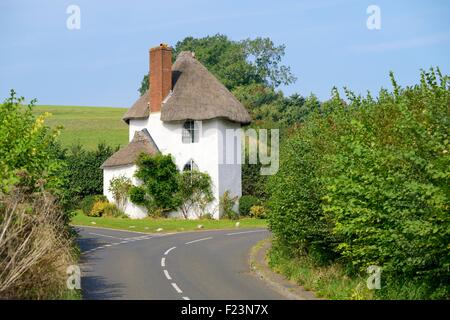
(189, 114)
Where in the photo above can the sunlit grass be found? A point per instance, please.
(152, 225)
(87, 126)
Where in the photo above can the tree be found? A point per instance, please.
(237, 63)
(195, 192)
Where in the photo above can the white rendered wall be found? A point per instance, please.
(205, 153)
(132, 210)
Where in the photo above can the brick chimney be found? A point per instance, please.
(160, 75)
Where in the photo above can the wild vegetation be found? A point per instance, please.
(367, 183)
(36, 243)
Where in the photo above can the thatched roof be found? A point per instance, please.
(196, 95)
(142, 142)
(140, 109)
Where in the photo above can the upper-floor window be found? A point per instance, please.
(190, 132)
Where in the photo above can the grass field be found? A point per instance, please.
(88, 125)
(151, 224)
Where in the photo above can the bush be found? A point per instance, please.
(120, 186)
(207, 216)
(103, 208)
(258, 212)
(160, 183)
(368, 183)
(226, 205)
(26, 143)
(98, 209)
(195, 192)
(88, 202)
(245, 203)
(111, 210)
(138, 195)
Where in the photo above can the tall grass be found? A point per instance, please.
(36, 246)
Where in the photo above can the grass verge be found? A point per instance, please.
(328, 282)
(152, 224)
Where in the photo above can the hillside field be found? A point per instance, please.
(88, 126)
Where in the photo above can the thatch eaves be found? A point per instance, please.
(142, 142)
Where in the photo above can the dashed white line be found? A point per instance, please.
(254, 231)
(186, 298)
(163, 262)
(166, 273)
(198, 240)
(174, 285)
(167, 252)
(104, 235)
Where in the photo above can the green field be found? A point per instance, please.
(88, 126)
(152, 224)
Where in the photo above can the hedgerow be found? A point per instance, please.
(367, 183)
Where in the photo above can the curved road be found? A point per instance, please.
(190, 265)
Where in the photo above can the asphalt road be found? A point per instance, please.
(190, 265)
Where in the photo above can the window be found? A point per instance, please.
(190, 132)
(190, 166)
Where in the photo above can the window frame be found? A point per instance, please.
(190, 132)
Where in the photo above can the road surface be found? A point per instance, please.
(191, 265)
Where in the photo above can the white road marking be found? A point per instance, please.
(167, 252)
(232, 234)
(166, 273)
(104, 235)
(186, 298)
(198, 240)
(163, 262)
(112, 229)
(174, 285)
(107, 245)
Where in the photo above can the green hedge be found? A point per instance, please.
(245, 203)
(368, 183)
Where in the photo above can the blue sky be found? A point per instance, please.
(102, 63)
